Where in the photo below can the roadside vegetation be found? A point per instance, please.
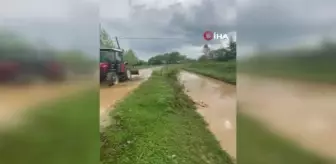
(258, 145)
(306, 64)
(218, 64)
(224, 71)
(159, 124)
(60, 132)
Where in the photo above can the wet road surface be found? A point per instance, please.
(110, 95)
(304, 113)
(15, 100)
(217, 104)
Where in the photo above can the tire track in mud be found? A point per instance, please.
(109, 96)
(216, 102)
(304, 113)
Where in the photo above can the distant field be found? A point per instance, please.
(143, 66)
(158, 124)
(150, 66)
(61, 132)
(225, 71)
(311, 68)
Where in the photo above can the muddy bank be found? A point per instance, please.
(109, 96)
(217, 104)
(304, 113)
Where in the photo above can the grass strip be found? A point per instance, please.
(158, 124)
(224, 71)
(311, 68)
(62, 132)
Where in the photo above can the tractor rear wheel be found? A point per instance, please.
(112, 78)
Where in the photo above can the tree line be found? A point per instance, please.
(14, 47)
(221, 54)
(107, 42)
(168, 58)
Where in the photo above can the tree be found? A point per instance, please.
(142, 62)
(232, 49)
(167, 58)
(130, 57)
(202, 58)
(222, 54)
(156, 60)
(105, 39)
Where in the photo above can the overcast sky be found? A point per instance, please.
(179, 23)
(284, 23)
(259, 23)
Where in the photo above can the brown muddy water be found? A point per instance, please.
(302, 112)
(217, 104)
(15, 100)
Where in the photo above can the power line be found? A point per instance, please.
(153, 38)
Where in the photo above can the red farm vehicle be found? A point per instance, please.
(113, 68)
(24, 69)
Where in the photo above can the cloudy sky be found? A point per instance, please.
(284, 23)
(180, 23)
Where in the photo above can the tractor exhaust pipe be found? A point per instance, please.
(117, 42)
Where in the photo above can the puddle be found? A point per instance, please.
(217, 104)
(304, 113)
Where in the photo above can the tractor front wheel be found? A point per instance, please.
(128, 74)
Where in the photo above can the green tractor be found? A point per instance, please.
(113, 68)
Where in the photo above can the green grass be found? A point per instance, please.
(151, 66)
(304, 68)
(257, 145)
(158, 124)
(224, 71)
(62, 132)
(143, 66)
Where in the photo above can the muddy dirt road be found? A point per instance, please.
(217, 104)
(305, 113)
(15, 100)
(110, 95)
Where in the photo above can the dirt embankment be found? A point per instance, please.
(217, 104)
(304, 113)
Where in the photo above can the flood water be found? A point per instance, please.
(217, 104)
(302, 112)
